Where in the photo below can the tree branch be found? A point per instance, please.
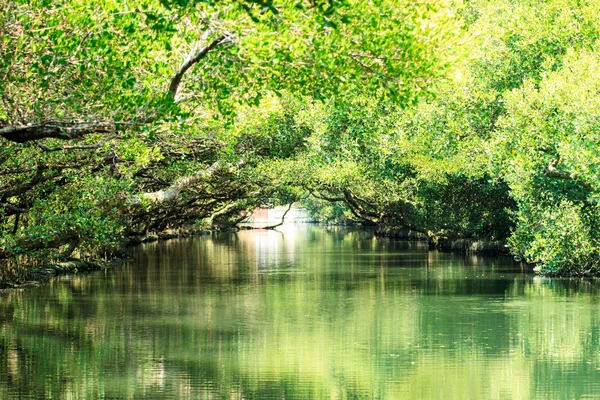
(36, 179)
(39, 243)
(229, 208)
(357, 209)
(55, 130)
(321, 196)
(172, 192)
(554, 172)
(193, 58)
(11, 209)
(282, 219)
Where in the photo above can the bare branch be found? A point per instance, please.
(193, 59)
(554, 172)
(172, 192)
(282, 219)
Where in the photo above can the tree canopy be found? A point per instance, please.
(472, 120)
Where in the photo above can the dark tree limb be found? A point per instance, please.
(321, 196)
(353, 203)
(55, 130)
(244, 215)
(4, 157)
(16, 224)
(282, 219)
(73, 244)
(36, 179)
(11, 209)
(229, 208)
(359, 210)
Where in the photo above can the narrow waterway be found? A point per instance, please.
(304, 312)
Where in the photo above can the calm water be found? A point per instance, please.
(303, 313)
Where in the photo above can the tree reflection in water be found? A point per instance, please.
(303, 313)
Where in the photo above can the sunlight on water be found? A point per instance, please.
(302, 312)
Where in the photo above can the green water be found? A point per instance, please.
(304, 313)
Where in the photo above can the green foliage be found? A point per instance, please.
(118, 104)
(547, 152)
(464, 207)
(271, 131)
(368, 161)
(514, 42)
(561, 238)
(474, 120)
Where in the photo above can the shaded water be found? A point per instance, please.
(303, 313)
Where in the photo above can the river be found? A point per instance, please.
(304, 312)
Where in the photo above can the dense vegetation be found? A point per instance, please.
(475, 120)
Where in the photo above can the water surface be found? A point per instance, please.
(302, 313)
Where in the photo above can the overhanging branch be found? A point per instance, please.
(193, 58)
(55, 130)
(172, 192)
(282, 218)
(554, 172)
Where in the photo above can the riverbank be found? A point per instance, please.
(15, 277)
(19, 277)
(466, 246)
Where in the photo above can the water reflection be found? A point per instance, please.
(302, 313)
